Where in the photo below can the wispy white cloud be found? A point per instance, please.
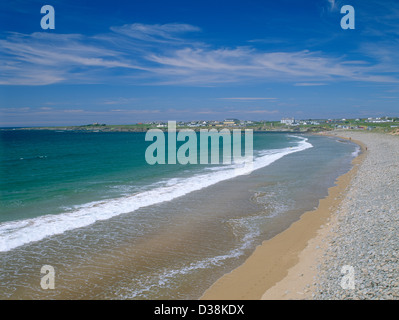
(262, 111)
(136, 111)
(309, 84)
(155, 33)
(246, 64)
(163, 55)
(15, 110)
(332, 5)
(248, 98)
(44, 58)
(73, 110)
(119, 101)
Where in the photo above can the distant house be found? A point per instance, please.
(230, 122)
(288, 121)
(215, 123)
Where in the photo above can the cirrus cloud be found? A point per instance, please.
(162, 55)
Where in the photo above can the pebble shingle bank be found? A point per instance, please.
(362, 259)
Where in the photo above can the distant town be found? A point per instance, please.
(384, 124)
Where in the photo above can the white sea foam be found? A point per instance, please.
(165, 277)
(17, 233)
(356, 152)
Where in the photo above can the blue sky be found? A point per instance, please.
(120, 62)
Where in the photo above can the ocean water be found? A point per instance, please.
(115, 227)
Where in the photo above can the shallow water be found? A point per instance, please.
(193, 224)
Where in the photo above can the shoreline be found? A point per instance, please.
(284, 266)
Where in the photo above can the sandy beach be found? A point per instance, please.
(298, 263)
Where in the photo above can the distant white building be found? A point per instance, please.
(288, 121)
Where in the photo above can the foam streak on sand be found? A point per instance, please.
(17, 233)
(356, 225)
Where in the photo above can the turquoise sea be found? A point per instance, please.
(115, 227)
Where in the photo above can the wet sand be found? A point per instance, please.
(284, 267)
